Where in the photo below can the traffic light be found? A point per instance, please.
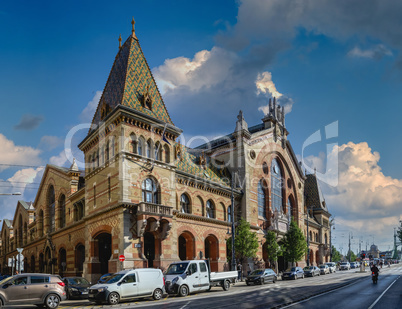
(363, 255)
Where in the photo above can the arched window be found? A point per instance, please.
(326, 239)
(93, 160)
(167, 153)
(62, 211)
(311, 236)
(133, 142)
(149, 191)
(140, 150)
(261, 200)
(290, 208)
(89, 166)
(229, 213)
(224, 211)
(184, 204)
(51, 208)
(158, 151)
(210, 211)
(107, 151)
(149, 149)
(97, 158)
(112, 147)
(316, 237)
(276, 186)
(102, 155)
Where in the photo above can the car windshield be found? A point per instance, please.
(77, 281)
(114, 278)
(291, 269)
(308, 268)
(176, 269)
(344, 263)
(5, 280)
(257, 272)
(322, 266)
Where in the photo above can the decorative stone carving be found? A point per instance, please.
(153, 227)
(203, 161)
(141, 225)
(166, 227)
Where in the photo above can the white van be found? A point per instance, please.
(129, 284)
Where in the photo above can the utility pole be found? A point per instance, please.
(233, 225)
(308, 241)
(349, 252)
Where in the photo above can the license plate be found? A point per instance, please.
(84, 292)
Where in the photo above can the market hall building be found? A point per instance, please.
(148, 197)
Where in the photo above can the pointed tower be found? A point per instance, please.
(132, 85)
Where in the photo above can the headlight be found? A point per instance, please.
(102, 289)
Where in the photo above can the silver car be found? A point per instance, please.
(331, 266)
(344, 266)
(33, 289)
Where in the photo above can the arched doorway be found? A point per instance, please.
(48, 261)
(212, 251)
(186, 246)
(149, 248)
(62, 261)
(317, 257)
(32, 264)
(311, 257)
(104, 251)
(282, 265)
(41, 266)
(79, 259)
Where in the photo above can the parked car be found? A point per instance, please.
(353, 265)
(128, 284)
(104, 277)
(324, 269)
(311, 271)
(76, 287)
(331, 266)
(33, 289)
(260, 276)
(344, 266)
(293, 273)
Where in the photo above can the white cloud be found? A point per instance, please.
(365, 200)
(377, 52)
(89, 111)
(11, 154)
(59, 160)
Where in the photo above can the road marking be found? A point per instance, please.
(379, 297)
(185, 305)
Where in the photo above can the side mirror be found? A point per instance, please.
(188, 273)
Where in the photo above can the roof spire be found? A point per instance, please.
(120, 41)
(133, 30)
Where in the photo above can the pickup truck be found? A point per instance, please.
(186, 277)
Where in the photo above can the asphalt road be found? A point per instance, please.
(346, 289)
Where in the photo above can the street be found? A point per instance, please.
(343, 289)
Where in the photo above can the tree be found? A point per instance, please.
(246, 242)
(351, 256)
(272, 248)
(399, 232)
(336, 255)
(294, 246)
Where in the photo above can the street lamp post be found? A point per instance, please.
(308, 242)
(14, 193)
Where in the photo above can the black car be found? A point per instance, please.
(293, 273)
(76, 287)
(260, 276)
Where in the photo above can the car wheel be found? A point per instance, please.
(113, 298)
(183, 291)
(226, 285)
(295, 277)
(52, 301)
(274, 280)
(158, 293)
(303, 276)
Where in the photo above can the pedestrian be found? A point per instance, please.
(239, 268)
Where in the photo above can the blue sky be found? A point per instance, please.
(328, 61)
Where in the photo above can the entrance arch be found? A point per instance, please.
(149, 248)
(311, 257)
(62, 261)
(104, 251)
(48, 261)
(317, 257)
(79, 259)
(212, 251)
(41, 266)
(186, 246)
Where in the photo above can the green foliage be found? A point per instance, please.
(336, 255)
(271, 246)
(246, 242)
(294, 246)
(351, 256)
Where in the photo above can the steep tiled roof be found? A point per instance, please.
(312, 192)
(9, 223)
(190, 164)
(129, 80)
(26, 205)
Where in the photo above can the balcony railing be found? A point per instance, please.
(154, 209)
